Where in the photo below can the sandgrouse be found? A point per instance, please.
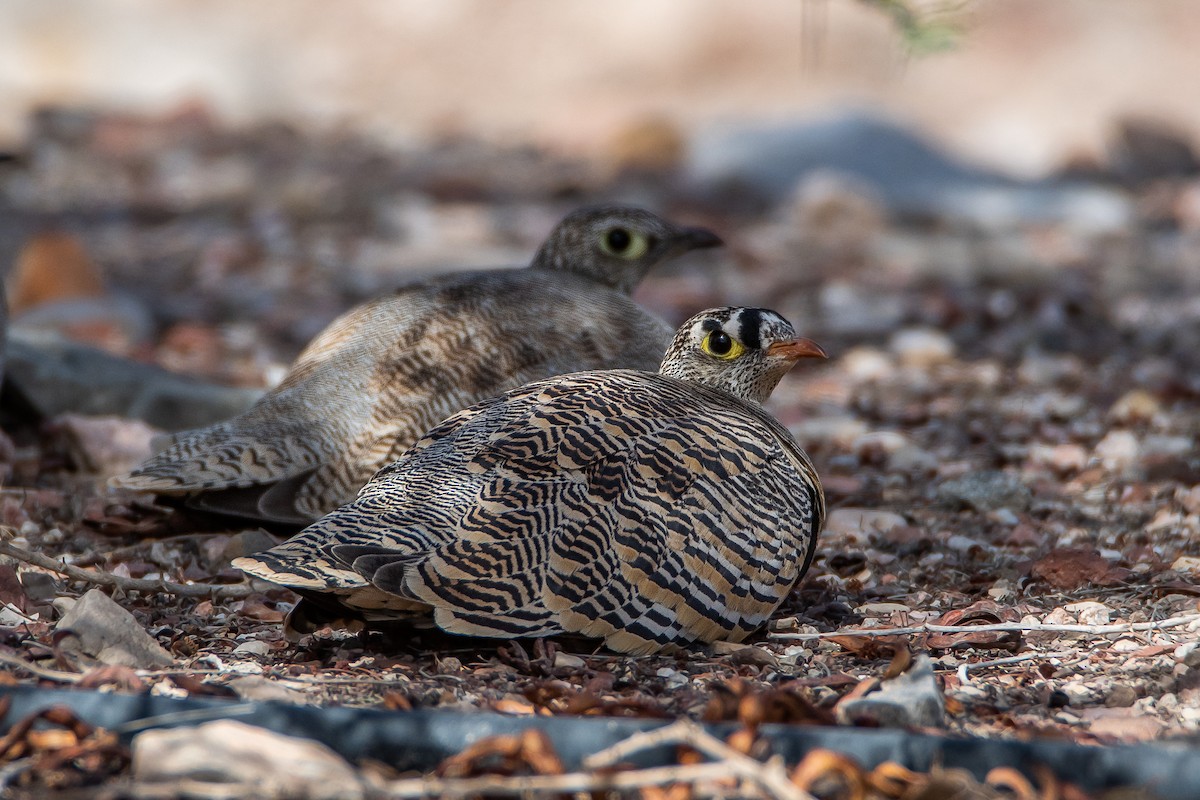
(651, 510)
(381, 375)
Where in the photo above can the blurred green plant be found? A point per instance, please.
(925, 26)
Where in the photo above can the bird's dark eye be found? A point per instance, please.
(623, 243)
(720, 344)
(618, 240)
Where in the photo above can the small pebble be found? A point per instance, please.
(986, 491)
(674, 678)
(841, 432)
(1118, 450)
(449, 665)
(1134, 407)
(922, 348)
(867, 364)
(1004, 516)
(1090, 612)
(1040, 370)
(1188, 653)
(1186, 564)
(912, 459)
(567, 661)
(1061, 458)
(885, 441)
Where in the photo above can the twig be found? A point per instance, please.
(769, 776)
(1095, 630)
(573, 782)
(98, 578)
(963, 669)
(62, 676)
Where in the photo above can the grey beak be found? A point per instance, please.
(698, 238)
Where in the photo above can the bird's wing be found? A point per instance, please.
(259, 464)
(226, 456)
(304, 561)
(377, 378)
(648, 512)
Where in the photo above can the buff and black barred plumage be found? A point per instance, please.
(650, 510)
(377, 378)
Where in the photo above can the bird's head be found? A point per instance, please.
(617, 245)
(743, 351)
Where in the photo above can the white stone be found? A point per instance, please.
(1134, 406)
(867, 364)
(839, 431)
(1118, 450)
(1060, 457)
(1189, 564)
(1165, 520)
(236, 759)
(882, 608)
(922, 348)
(568, 661)
(674, 678)
(887, 441)
(961, 544)
(1004, 516)
(911, 458)
(1090, 612)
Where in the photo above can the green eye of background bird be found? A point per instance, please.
(618, 240)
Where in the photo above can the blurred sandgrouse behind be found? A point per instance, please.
(650, 510)
(381, 375)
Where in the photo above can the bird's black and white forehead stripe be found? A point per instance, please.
(750, 327)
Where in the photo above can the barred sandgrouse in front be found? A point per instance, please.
(377, 378)
(650, 510)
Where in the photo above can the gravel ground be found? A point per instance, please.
(1006, 428)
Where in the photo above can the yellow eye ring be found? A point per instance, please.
(624, 243)
(720, 344)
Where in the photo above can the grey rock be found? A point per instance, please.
(911, 700)
(119, 313)
(912, 176)
(232, 759)
(247, 543)
(58, 376)
(97, 628)
(1122, 696)
(40, 587)
(986, 491)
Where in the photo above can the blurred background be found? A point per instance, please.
(1021, 85)
(205, 185)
